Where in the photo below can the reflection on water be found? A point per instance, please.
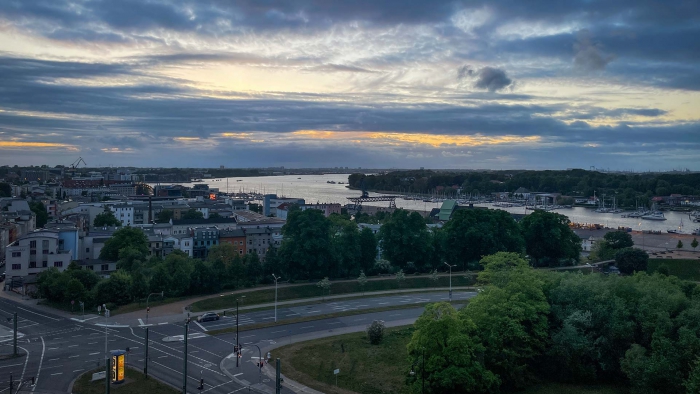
(315, 188)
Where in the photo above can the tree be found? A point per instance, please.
(127, 236)
(434, 275)
(255, 207)
(139, 284)
(549, 240)
(193, 214)
(160, 280)
(497, 267)
(679, 245)
(5, 189)
(630, 260)
(345, 239)
(602, 251)
(42, 217)
(325, 285)
(128, 256)
(306, 248)
(87, 278)
(362, 281)
(405, 239)
(447, 352)
(375, 332)
(165, 216)
(694, 244)
(75, 291)
(116, 289)
(106, 219)
(253, 268)
(692, 384)
(368, 249)
(618, 239)
(473, 233)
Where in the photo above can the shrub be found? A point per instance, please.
(375, 332)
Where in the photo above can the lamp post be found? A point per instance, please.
(412, 373)
(276, 278)
(450, 278)
(640, 229)
(238, 342)
(148, 298)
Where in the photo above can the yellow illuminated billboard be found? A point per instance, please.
(118, 365)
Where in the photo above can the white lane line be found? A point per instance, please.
(75, 336)
(140, 322)
(360, 306)
(238, 374)
(72, 345)
(248, 336)
(48, 317)
(41, 361)
(395, 314)
(92, 354)
(307, 327)
(162, 356)
(383, 303)
(337, 322)
(78, 370)
(200, 326)
(162, 324)
(74, 356)
(92, 343)
(57, 373)
(53, 359)
(271, 317)
(54, 348)
(276, 332)
(314, 312)
(13, 365)
(360, 319)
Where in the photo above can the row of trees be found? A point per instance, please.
(529, 325)
(628, 188)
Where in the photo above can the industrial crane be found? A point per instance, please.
(77, 163)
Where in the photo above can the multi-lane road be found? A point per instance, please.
(57, 349)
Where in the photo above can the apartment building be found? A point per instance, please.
(35, 252)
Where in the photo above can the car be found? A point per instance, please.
(208, 317)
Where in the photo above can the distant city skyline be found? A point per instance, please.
(376, 84)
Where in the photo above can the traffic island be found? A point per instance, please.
(134, 383)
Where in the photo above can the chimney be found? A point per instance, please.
(150, 210)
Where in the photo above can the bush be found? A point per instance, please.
(629, 260)
(375, 332)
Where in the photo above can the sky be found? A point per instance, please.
(365, 83)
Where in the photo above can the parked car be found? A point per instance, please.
(208, 317)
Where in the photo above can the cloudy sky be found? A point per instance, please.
(314, 83)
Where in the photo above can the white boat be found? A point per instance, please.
(676, 230)
(654, 216)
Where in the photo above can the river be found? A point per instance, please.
(315, 188)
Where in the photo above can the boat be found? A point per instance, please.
(331, 182)
(298, 178)
(678, 230)
(654, 216)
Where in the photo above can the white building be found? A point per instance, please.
(34, 253)
(124, 213)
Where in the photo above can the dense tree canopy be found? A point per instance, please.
(165, 216)
(473, 233)
(193, 214)
(106, 218)
(306, 248)
(42, 217)
(131, 237)
(405, 239)
(618, 239)
(630, 260)
(549, 240)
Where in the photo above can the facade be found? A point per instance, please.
(204, 238)
(124, 213)
(260, 239)
(271, 202)
(237, 238)
(34, 253)
(182, 226)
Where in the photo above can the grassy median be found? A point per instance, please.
(135, 383)
(683, 268)
(311, 290)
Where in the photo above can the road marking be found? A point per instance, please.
(53, 348)
(337, 322)
(75, 336)
(383, 303)
(200, 326)
(140, 322)
(41, 361)
(313, 312)
(307, 327)
(72, 345)
(78, 370)
(360, 319)
(92, 354)
(48, 317)
(238, 374)
(53, 359)
(248, 336)
(276, 332)
(162, 356)
(92, 343)
(162, 324)
(271, 317)
(13, 365)
(395, 314)
(73, 356)
(57, 373)
(360, 306)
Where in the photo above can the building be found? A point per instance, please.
(327, 209)
(237, 238)
(260, 239)
(124, 213)
(204, 238)
(35, 252)
(181, 226)
(34, 175)
(271, 202)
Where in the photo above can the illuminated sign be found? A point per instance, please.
(118, 366)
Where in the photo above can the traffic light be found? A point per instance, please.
(239, 354)
(148, 309)
(201, 384)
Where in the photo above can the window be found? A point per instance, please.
(105, 267)
(45, 251)
(16, 254)
(44, 264)
(32, 264)
(16, 267)
(45, 244)
(91, 268)
(87, 250)
(32, 252)
(32, 244)
(58, 264)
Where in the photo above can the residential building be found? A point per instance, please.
(237, 238)
(181, 226)
(124, 213)
(271, 202)
(35, 252)
(260, 239)
(204, 238)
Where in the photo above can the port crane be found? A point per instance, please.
(77, 163)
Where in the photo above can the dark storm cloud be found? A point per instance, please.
(492, 79)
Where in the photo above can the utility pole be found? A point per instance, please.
(278, 383)
(145, 359)
(14, 334)
(184, 358)
(276, 278)
(450, 279)
(108, 376)
(238, 342)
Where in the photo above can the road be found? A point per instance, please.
(59, 349)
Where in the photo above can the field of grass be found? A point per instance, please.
(135, 383)
(684, 269)
(311, 290)
(364, 368)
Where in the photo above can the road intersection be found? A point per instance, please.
(58, 349)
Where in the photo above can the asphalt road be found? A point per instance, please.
(57, 349)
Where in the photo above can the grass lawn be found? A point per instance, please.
(135, 383)
(364, 368)
(682, 268)
(558, 388)
(381, 369)
(311, 290)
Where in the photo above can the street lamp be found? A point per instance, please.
(450, 278)
(413, 373)
(238, 342)
(149, 309)
(640, 229)
(276, 278)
